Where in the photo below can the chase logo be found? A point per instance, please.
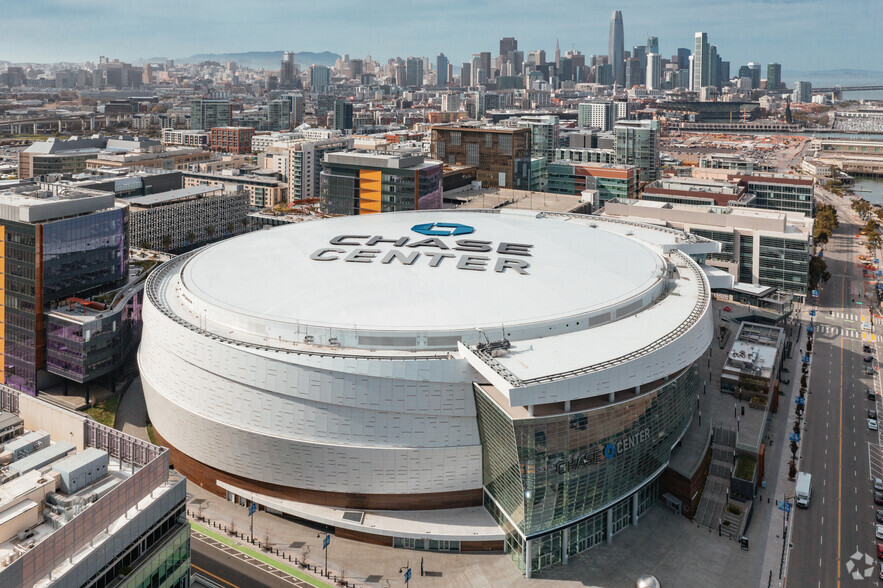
(442, 229)
(609, 451)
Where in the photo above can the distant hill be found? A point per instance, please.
(255, 59)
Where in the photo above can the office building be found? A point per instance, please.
(585, 155)
(589, 391)
(343, 115)
(634, 73)
(761, 247)
(184, 138)
(600, 114)
(654, 71)
(320, 79)
(698, 192)
(773, 77)
(544, 135)
(295, 109)
(262, 192)
(278, 115)
(683, 58)
(305, 165)
(55, 247)
(501, 156)
(69, 156)
(616, 48)
(168, 159)
(288, 71)
(236, 140)
(754, 73)
(75, 516)
(610, 180)
(637, 143)
(508, 44)
(441, 70)
(784, 192)
(356, 183)
(701, 74)
(802, 92)
(466, 74)
(178, 220)
(450, 102)
(414, 72)
(207, 114)
(652, 45)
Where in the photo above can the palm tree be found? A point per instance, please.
(210, 231)
(191, 237)
(230, 227)
(145, 244)
(166, 242)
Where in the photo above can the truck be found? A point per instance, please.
(803, 490)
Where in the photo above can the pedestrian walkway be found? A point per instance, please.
(131, 415)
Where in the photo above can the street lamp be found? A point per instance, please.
(325, 543)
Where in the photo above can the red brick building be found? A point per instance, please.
(231, 139)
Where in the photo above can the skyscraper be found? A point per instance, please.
(700, 77)
(637, 143)
(286, 72)
(754, 68)
(773, 76)
(652, 44)
(683, 58)
(466, 74)
(654, 71)
(633, 72)
(343, 115)
(414, 72)
(802, 92)
(616, 48)
(485, 57)
(508, 44)
(441, 69)
(557, 55)
(320, 79)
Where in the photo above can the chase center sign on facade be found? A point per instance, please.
(541, 365)
(465, 253)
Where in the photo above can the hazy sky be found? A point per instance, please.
(799, 34)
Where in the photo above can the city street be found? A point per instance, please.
(833, 540)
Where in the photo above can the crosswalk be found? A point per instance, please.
(846, 316)
(834, 331)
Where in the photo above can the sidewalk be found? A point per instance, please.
(777, 483)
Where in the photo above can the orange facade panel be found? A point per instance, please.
(369, 191)
(615, 174)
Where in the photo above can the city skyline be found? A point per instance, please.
(752, 30)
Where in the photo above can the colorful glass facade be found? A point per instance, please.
(545, 475)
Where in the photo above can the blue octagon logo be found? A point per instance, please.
(442, 229)
(609, 451)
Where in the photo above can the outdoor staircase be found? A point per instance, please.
(713, 504)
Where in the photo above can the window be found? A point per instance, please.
(455, 138)
(472, 154)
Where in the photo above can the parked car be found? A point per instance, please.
(871, 395)
(869, 358)
(878, 484)
(727, 309)
(866, 348)
(880, 516)
(879, 531)
(872, 426)
(881, 570)
(869, 370)
(872, 414)
(880, 551)
(878, 497)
